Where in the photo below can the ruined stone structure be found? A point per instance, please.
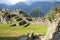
(7, 16)
(51, 29)
(53, 32)
(56, 34)
(29, 36)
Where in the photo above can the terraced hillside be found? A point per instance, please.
(14, 17)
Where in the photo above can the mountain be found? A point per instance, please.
(43, 6)
(3, 6)
(21, 5)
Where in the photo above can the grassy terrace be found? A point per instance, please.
(8, 31)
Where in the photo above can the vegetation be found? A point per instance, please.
(14, 31)
(24, 14)
(35, 12)
(7, 30)
(52, 13)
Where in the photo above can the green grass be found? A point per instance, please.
(8, 31)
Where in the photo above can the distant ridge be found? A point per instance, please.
(43, 6)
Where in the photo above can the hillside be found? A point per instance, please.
(14, 17)
(43, 6)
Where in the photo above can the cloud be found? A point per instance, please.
(12, 2)
(8, 2)
(16, 1)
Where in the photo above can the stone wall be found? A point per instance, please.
(53, 32)
(56, 34)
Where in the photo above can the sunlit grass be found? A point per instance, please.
(14, 31)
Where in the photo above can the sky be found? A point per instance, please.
(12, 2)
